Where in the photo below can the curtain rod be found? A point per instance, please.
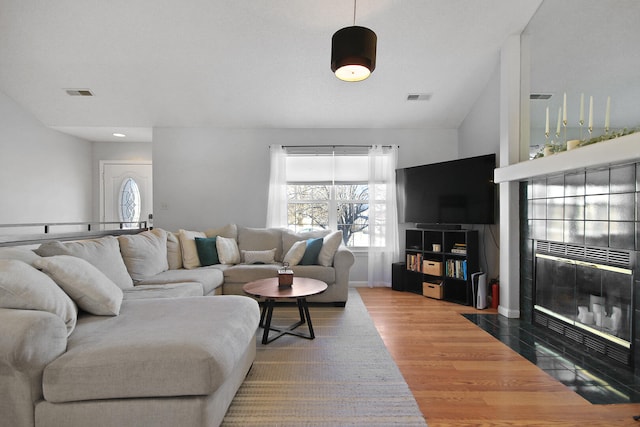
(336, 146)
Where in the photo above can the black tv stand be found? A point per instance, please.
(427, 226)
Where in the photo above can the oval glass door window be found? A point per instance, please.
(129, 203)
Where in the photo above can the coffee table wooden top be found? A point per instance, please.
(268, 288)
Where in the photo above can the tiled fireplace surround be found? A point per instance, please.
(595, 208)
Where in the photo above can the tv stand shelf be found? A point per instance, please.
(441, 257)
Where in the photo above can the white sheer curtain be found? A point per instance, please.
(383, 217)
(277, 203)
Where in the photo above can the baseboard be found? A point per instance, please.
(366, 285)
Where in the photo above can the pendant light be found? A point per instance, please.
(353, 52)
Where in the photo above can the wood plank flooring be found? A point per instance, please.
(462, 376)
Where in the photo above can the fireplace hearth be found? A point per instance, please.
(585, 294)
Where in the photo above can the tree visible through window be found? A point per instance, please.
(343, 207)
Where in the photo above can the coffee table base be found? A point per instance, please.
(267, 315)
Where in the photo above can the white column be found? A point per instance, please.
(510, 98)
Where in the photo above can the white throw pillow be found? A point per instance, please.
(103, 253)
(94, 292)
(228, 252)
(259, 257)
(145, 254)
(296, 253)
(24, 287)
(190, 257)
(289, 237)
(21, 254)
(174, 253)
(330, 244)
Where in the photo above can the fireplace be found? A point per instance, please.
(584, 294)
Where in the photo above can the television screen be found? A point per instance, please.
(455, 192)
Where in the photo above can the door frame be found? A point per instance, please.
(101, 185)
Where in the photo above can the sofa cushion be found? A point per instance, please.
(311, 252)
(144, 254)
(210, 278)
(174, 253)
(103, 253)
(207, 252)
(169, 290)
(21, 254)
(85, 284)
(330, 244)
(289, 237)
(259, 257)
(260, 239)
(295, 254)
(243, 273)
(24, 287)
(145, 352)
(230, 231)
(188, 247)
(228, 252)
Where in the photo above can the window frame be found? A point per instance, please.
(332, 204)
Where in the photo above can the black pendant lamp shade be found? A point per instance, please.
(353, 53)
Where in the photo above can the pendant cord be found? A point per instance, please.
(354, 12)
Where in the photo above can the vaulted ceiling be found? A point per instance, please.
(265, 64)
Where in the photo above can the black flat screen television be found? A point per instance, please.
(455, 192)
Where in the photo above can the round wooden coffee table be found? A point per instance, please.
(269, 289)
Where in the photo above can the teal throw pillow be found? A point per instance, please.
(207, 252)
(310, 256)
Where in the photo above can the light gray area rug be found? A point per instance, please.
(344, 377)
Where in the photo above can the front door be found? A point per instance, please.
(127, 192)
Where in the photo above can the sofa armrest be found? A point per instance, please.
(30, 339)
(343, 258)
(342, 262)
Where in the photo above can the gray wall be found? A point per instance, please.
(45, 175)
(480, 134)
(206, 177)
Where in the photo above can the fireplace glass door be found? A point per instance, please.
(591, 296)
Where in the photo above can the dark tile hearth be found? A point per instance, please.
(597, 381)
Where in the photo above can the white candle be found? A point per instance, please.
(607, 114)
(590, 112)
(559, 121)
(564, 109)
(546, 127)
(581, 109)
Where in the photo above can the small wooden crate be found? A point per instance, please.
(285, 278)
(432, 290)
(432, 267)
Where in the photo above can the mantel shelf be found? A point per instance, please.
(620, 150)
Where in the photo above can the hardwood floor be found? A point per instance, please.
(462, 376)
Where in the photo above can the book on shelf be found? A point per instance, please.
(459, 248)
(414, 262)
(456, 268)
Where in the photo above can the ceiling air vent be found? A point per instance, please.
(79, 92)
(418, 97)
(540, 96)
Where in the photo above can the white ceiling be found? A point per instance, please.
(252, 64)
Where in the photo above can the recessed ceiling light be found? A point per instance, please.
(119, 135)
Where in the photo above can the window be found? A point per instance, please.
(129, 203)
(329, 191)
(342, 207)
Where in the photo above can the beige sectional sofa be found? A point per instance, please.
(115, 331)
